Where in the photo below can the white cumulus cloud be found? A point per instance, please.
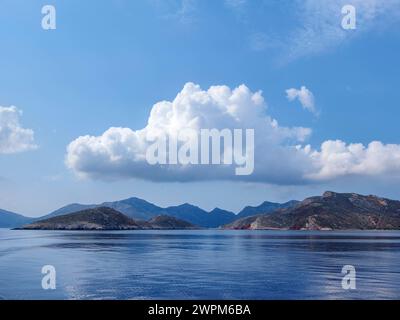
(13, 137)
(281, 157)
(121, 152)
(338, 159)
(305, 97)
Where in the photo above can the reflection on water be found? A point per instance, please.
(204, 264)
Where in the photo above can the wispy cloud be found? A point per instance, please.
(235, 4)
(315, 26)
(305, 96)
(320, 30)
(182, 11)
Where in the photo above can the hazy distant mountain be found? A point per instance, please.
(12, 220)
(265, 207)
(332, 211)
(104, 218)
(74, 207)
(219, 217)
(200, 217)
(136, 208)
(170, 223)
(133, 207)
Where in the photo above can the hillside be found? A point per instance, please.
(104, 218)
(12, 220)
(170, 223)
(265, 207)
(140, 209)
(331, 211)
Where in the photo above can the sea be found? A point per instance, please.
(199, 264)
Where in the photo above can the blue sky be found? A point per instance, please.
(109, 62)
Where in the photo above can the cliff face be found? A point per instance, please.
(331, 211)
(104, 218)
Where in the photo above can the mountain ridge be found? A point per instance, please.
(331, 211)
(137, 208)
(265, 207)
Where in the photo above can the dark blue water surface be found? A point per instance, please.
(207, 264)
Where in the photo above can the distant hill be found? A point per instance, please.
(71, 208)
(220, 217)
(200, 217)
(331, 211)
(265, 207)
(12, 220)
(136, 208)
(170, 223)
(133, 207)
(140, 209)
(104, 218)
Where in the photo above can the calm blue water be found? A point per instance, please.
(210, 264)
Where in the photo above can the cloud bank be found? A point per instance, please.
(338, 159)
(281, 155)
(13, 137)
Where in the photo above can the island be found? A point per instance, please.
(104, 218)
(331, 211)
